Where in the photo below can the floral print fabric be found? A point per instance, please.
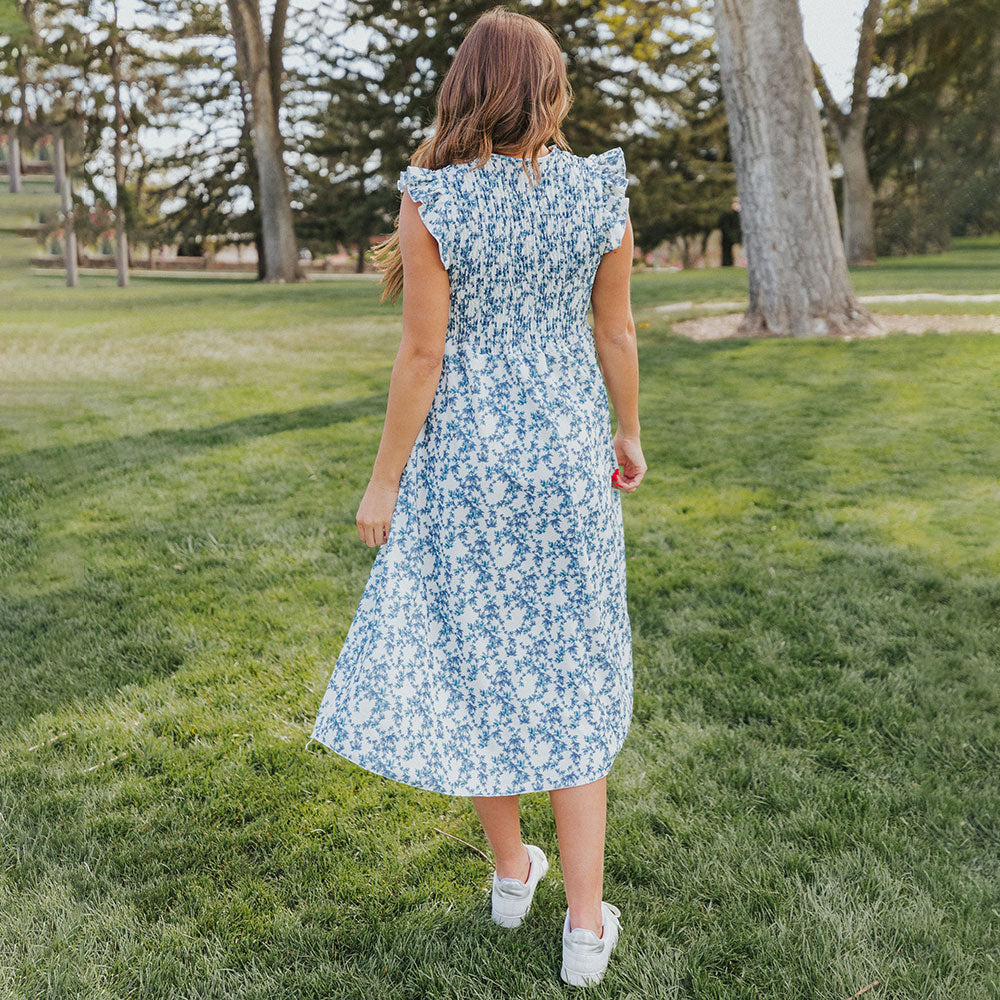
(491, 651)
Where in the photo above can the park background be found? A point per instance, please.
(807, 804)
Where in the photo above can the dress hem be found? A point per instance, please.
(440, 791)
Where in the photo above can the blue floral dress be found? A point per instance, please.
(491, 652)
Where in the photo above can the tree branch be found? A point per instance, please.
(276, 50)
(866, 54)
(833, 111)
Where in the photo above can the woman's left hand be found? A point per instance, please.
(375, 512)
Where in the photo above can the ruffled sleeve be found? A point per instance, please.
(436, 205)
(612, 212)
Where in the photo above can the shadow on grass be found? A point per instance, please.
(61, 642)
(66, 467)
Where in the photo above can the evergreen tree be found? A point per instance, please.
(373, 104)
(935, 146)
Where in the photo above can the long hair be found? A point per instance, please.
(507, 87)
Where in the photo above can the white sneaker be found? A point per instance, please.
(585, 955)
(512, 897)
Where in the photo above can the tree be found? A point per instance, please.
(17, 36)
(934, 146)
(799, 285)
(66, 206)
(686, 184)
(117, 143)
(849, 129)
(260, 59)
(368, 109)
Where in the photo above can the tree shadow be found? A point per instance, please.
(65, 467)
(82, 640)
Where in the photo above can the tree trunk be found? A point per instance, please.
(729, 229)
(58, 161)
(685, 253)
(14, 160)
(849, 128)
(799, 285)
(246, 142)
(121, 234)
(280, 249)
(359, 264)
(69, 231)
(858, 195)
(726, 250)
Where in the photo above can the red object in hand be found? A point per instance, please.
(615, 480)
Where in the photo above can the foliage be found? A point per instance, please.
(629, 65)
(686, 181)
(935, 148)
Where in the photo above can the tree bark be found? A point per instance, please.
(246, 138)
(799, 285)
(69, 231)
(280, 248)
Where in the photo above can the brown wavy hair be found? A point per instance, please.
(506, 89)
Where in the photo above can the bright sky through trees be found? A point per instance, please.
(831, 30)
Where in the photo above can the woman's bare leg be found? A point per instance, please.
(581, 818)
(502, 822)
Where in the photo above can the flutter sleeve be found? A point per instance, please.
(436, 205)
(612, 212)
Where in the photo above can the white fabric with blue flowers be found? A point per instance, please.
(491, 652)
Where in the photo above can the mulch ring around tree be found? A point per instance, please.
(724, 326)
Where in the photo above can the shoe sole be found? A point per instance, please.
(506, 921)
(574, 978)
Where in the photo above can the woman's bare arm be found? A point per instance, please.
(615, 341)
(415, 372)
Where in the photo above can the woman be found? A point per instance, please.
(491, 655)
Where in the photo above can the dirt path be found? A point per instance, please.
(672, 307)
(721, 327)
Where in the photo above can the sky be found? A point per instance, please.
(831, 30)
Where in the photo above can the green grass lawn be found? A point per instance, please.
(807, 802)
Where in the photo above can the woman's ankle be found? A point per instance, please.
(518, 866)
(588, 917)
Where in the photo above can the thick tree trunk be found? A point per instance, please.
(14, 160)
(799, 285)
(246, 135)
(280, 249)
(359, 264)
(66, 199)
(858, 195)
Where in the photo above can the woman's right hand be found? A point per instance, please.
(628, 451)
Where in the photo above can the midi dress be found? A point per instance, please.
(491, 650)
